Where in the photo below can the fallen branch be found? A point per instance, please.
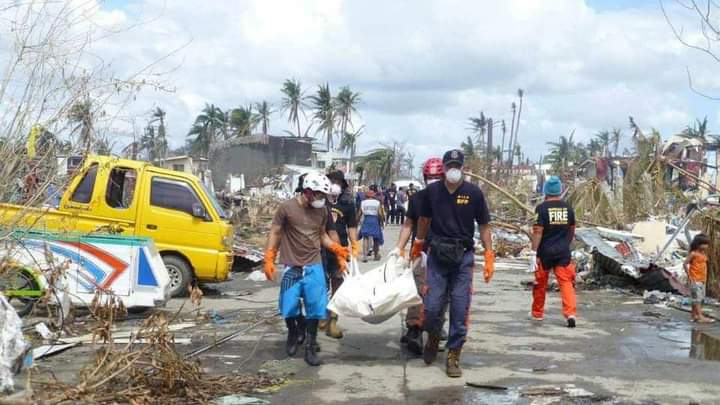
(513, 198)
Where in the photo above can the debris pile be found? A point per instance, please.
(148, 373)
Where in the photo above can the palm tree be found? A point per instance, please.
(323, 106)
(595, 148)
(346, 103)
(698, 131)
(348, 143)
(207, 129)
(242, 121)
(562, 152)
(294, 102)
(478, 125)
(264, 110)
(160, 143)
(409, 163)
(81, 115)
(602, 138)
(468, 147)
(379, 164)
(615, 139)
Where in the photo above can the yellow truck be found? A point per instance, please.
(132, 198)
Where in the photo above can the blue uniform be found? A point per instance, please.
(450, 274)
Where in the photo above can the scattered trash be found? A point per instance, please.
(43, 331)
(49, 350)
(240, 400)
(486, 386)
(256, 275)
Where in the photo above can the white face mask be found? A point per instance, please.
(453, 175)
(318, 203)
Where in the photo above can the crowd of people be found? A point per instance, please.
(318, 231)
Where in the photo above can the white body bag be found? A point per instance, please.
(376, 295)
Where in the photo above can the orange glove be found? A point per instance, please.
(269, 263)
(355, 245)
(342, 254)
(417, 249)
(489, 265)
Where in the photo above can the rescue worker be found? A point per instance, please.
(342, 209)
(450, 210)
(432, 172)
(553, 232)
(299, 231)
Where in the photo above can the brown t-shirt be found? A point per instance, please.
(301, 230)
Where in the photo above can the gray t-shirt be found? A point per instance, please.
(302, 228)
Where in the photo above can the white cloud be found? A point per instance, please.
(422, 66)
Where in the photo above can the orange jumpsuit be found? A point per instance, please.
(555, 223)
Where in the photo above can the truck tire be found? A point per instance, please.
(180, 274)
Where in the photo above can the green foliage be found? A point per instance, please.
(323, 106)
(293, 102)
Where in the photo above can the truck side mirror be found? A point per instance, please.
(199, 211)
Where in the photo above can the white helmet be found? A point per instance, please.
(317, 182)
(335, 191)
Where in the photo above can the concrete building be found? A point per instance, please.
(185, 164)
(258, 156)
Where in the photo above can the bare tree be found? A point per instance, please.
(704, 37)
(50, 83)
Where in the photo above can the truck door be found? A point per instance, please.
(167, 218)
(119, 204)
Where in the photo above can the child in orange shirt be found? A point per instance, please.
(696, 268)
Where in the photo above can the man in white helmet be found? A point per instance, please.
(298, 232)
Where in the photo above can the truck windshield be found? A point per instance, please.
(216, 205)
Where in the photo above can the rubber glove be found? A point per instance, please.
(417, 249)
(269, 263)
(489, 265)
(342, 254)
(400, 255)
(355, 245)
(533, 262)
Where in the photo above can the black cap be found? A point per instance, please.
(338, 176)
(453, 156)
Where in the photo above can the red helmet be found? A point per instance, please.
(433, 167)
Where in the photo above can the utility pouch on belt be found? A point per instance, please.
(449, 252)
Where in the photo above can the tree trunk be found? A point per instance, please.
(517, 126)
(490, 156)
(502, 148)
(512, 132)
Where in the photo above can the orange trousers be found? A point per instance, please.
(565, 276)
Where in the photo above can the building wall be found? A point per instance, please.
(256, 157)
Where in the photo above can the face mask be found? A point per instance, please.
(453, 175)
(318, 203)
(429, 182)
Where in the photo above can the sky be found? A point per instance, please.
(422, 66)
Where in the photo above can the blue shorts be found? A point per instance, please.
(306, 283)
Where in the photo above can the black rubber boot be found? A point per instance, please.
(415, 341)
(301, 329)
(431, 348)
(311, 357)
(291, 345)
